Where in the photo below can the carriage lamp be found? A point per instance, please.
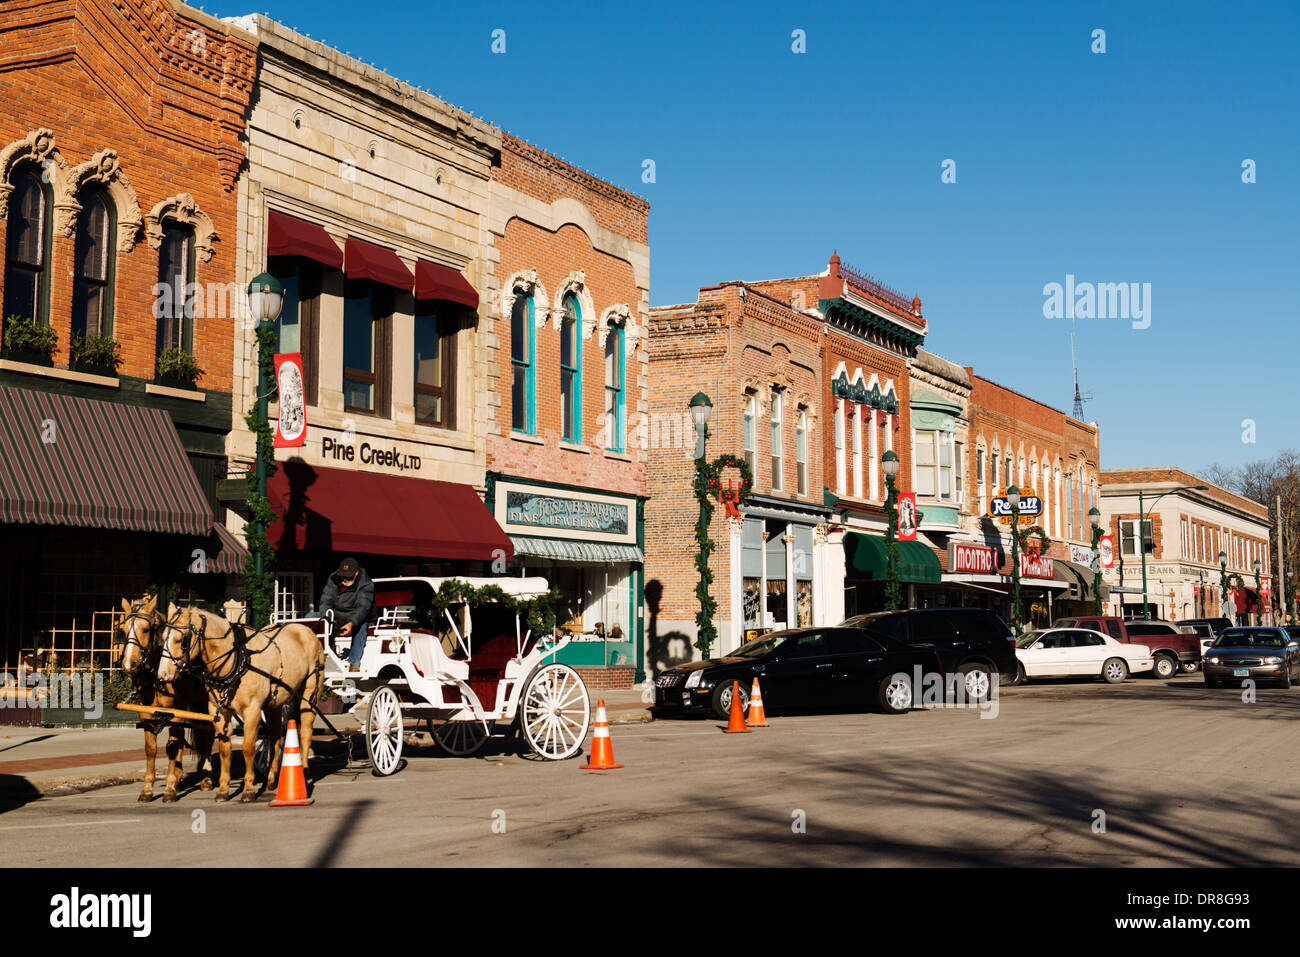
(889, 465)
(265, 298)
(701, 408)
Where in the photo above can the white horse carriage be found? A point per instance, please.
(463, 668)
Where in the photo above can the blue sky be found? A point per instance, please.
(1115, 167)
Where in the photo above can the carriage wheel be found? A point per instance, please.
(384, 731)
(555, 712)
(459, 738)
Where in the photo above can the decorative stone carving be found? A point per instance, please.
(36, 147)
(182, 208)
(527, 282)
(619, 314)
(105, 169)
(576, 283)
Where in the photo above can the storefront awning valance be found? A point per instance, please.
(441, 282)
(338, 510)
(378, 263)
(565, 551)
(289, 236)
(71, 461)
(227, 556)
(868, 555)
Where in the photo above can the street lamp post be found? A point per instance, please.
(1013, 499)
(1258, 600)
(265, 299)
(1142, 539)
(1223, 580)
(1094, 516)
(701, 408)
(889, 465)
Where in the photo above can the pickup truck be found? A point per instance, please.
(1170, 647)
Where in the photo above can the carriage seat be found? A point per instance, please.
(488, 665)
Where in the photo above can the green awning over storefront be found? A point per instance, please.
(867, 555)
(565, 551)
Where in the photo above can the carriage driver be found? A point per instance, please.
(351, 593)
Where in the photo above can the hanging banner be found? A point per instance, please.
(291, 426)
(907, 516)
(1107, 552)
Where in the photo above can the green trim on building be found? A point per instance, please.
(859, 322)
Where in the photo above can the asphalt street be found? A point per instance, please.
(1183, 775)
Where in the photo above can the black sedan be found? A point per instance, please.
(1262, 654)
(804, 668)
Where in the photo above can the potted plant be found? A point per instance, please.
(95, 354)
(329, 702)
(25, 341)
(177, 368)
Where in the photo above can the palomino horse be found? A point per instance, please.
(139, 658)
(250, 676)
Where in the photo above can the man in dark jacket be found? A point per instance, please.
(351, 594)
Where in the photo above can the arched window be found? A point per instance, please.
(93, 266)
(27, 248)
(175, 290)
(801, 451)
(614, 389)
(571, 370)
(522, 418)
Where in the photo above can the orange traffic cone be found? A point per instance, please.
(292, 791)
(757, 719)
(602, 750)
(737, 723)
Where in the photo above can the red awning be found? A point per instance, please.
(368, 261)
(287, 236)
(441, 282)
(336, 510)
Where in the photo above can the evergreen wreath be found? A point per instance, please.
(708, 485)
(538, 612)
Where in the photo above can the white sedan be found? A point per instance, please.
(1064, 652)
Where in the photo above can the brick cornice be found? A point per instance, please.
(584, 179)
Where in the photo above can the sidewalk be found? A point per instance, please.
(38, 762)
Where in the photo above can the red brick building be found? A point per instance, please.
(567, 397)
(120, 149)
(809, 383)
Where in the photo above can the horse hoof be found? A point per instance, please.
(248, 797)
(223, 796)
(145, 797)
(205, 785)
(169, 797)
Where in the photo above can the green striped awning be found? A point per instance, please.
(565, 551)
(71, 461)
(868, 555)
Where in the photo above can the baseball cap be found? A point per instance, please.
(348, 567)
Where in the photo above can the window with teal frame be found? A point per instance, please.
(571, 371)
(614, 386)
(523, 416)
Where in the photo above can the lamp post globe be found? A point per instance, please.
(889, 464)
(701, 408)
(265, 298)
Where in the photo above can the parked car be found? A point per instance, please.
(1204, 632)
(1062, 652)
(1217, 625)
(971, 642)
(1170, 647)
(803, 668)
(1264, 654)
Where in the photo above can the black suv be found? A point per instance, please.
(971, 642)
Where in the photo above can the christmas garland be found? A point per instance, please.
(708, 483)
(538, 612)
(260, 589)
(893, 595)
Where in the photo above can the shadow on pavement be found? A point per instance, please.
(16, 791)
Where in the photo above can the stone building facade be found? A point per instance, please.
(368, 200)
(1186, 529)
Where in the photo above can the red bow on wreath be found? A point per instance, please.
(729, 500)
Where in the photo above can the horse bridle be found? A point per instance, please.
(129, 638)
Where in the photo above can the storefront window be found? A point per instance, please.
(434, 354)
(776, 611)
(803, 605)
(366, 308)
(801, 451)
(753, 602)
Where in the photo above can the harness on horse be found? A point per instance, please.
(227, 684)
